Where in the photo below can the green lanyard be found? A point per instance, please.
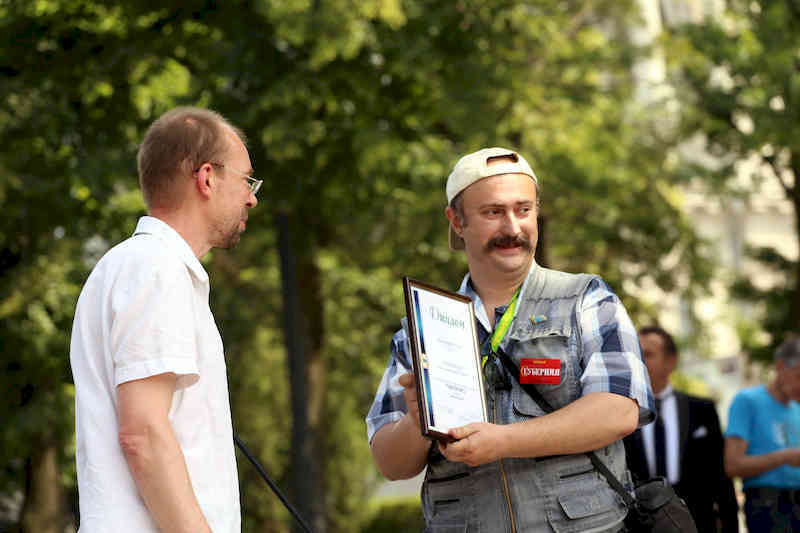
(501, 329)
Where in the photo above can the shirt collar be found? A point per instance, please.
(161, 230)
(664, 394)
(467, 289)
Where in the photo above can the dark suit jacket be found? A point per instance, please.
(702, 475)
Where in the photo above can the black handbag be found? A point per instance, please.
(656, 507)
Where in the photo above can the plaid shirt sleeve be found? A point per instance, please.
(389, 404)
(612, 359)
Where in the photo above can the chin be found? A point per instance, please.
(513, 263)
(230, 242)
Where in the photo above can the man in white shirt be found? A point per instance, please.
(153, 422)
(684, 444)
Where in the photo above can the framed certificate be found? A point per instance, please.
(446, 358)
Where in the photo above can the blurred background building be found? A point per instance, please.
(730, 224)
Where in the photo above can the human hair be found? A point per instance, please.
(789, 351)
(175, 145)
(669, 343)
(457, 205)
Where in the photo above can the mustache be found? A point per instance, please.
(509, 241)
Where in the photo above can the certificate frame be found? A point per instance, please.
(469, 361)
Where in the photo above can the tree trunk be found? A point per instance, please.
(303, 330)
(540, 255)
(794, 307)
(313, 305)
(43, 510)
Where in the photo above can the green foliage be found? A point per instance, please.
(771, 305)
(395, 516)
(689, 385)
(355, 113)
(739, 80)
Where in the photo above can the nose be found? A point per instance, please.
(511, 223)
(252, 201)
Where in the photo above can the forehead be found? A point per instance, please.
(503, 188)
(651, 342)
(234, 142)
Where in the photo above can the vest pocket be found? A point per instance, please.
(558, 392)
(584, 502)
(445, 503)
(543, 345)
(524, 406)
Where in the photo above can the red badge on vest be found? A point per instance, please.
(540, 371)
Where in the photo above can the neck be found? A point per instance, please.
(494, 291)
(659, 388)
(189, 227)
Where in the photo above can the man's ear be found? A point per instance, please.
(671, 363)
(205, 179)
(455, 221)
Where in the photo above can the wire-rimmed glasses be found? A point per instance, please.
(253, 183)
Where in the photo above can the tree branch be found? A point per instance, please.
(777, 171)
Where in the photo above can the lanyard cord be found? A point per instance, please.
(501, 329)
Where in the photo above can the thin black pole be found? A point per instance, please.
(271, 483)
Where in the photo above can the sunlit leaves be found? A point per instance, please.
(738, 76)
(355, 112)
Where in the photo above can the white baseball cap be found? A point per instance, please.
(475, 166)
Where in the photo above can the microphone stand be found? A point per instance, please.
(271, 483)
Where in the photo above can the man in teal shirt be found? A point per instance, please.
(762, 445)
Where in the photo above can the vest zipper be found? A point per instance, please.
(505, 481)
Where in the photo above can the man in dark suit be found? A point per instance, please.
(685, 443)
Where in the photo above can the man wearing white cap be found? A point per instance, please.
(525, 470)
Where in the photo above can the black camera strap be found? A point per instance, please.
(534, 393)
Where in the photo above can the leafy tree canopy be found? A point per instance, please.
(738, 77)
(355, 113)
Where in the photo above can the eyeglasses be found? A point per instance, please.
(252, 182)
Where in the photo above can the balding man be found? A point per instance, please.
(153, 422)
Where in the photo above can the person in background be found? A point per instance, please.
(762, 445)
(524, 470)
(153, 423)
(685, 443)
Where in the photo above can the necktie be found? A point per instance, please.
(661, 443)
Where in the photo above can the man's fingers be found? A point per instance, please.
(463, 432)
(406, 380)
(476, 444)
(456, 451)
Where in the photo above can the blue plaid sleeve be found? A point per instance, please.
(612, 358)
(389, 404)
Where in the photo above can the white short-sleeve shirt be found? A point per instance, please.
(144, 311)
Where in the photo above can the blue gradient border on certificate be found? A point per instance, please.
(425, 375)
